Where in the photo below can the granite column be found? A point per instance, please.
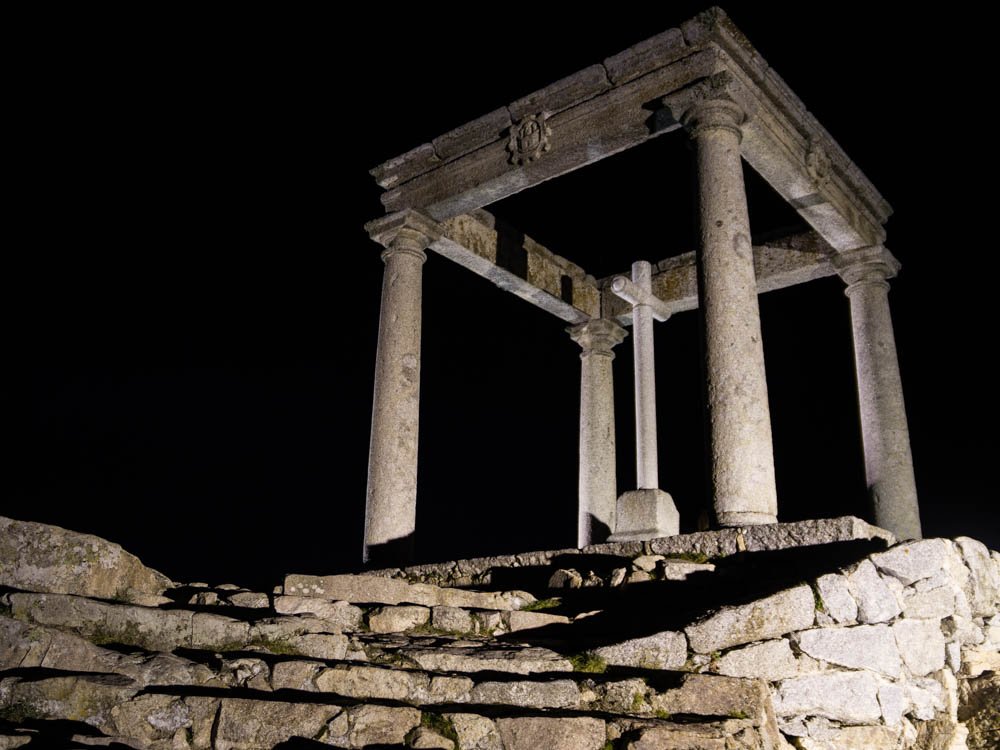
(743, 486)
(598, 484)
(391, 502)
(892, 488)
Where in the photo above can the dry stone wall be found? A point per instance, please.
(819, 636)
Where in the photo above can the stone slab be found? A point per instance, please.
(667, 650)
(836, 597)
(921, 645)
(564, 93)
(43, 558)
(769, 617)
(373, 589)
(851, 697)
(876, 600)
(472, 135)
(870, 647)
(646, 56)
(551, 733)
(912, 561)
(769, 660)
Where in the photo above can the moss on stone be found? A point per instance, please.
(20, 712)
(820, 606)
(694, 557)
(441, 725)
(588, 661)
(542, 604)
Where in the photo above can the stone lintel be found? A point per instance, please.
(504, 256)
(521, 266)
(564, 93)
(714, 26)
(401, 168)
(646, 56)
(605, 109)
(472, 135)
(778, 264)
(581, 134)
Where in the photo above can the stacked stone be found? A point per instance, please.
(899, 648)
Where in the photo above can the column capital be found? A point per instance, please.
(597, 336)
(405, 231)
(865, 265)
(713, 107)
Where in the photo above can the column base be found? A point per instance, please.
(645, 514)
(740, 518)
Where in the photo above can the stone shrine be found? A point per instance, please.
(705, 79)
(824, 634)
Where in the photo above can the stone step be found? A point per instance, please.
(698, 547)
(414, 674)
(167, 718)
(371, 589)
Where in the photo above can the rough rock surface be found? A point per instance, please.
(37, 557)
(860, 647)
(771, 616)
(667, 650)
(727, 656)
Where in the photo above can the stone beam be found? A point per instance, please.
(443, 185)
(779, 264)
(789, 147)
(626, 100)
(519, 265)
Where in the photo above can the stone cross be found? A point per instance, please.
(647, 511)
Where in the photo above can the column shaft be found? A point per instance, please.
(740, 423)
(888, 460)
(598, 485)
(390, 513)
(647, 469)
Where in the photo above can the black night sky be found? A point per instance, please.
(192, 303)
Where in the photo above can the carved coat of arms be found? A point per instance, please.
(529, 138)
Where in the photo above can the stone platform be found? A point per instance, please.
(718, 544)
(820, 635)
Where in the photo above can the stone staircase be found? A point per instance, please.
(818, 635)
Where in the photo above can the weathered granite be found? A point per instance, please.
(371, 589)
(885, 435)
(550, 694)
(742, 457)
(851, 697)
(876, 600)
(835, 595)
(44, 558)
(720, 543)
(422, 737)
(338, 614)
(984, 581)
(667, 650)
(597, 474)
(912, 561)
(390, 506)
(871, 647)
(397, 619)
(772, 616)
(768, 660)
(255, 679)
(552, 733)
(921, 645)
